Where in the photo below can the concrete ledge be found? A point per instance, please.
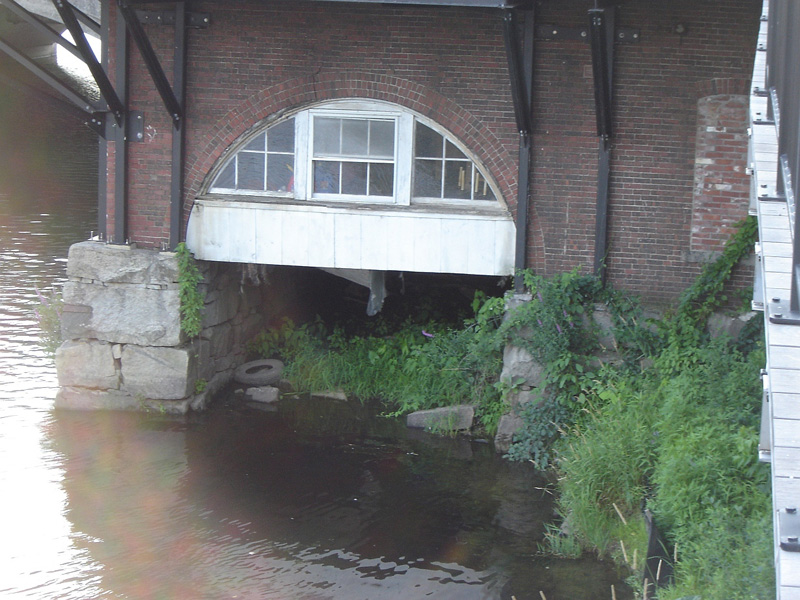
(73, 398)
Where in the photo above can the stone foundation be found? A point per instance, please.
(124, 349)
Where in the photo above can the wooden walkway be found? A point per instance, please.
(782, 377)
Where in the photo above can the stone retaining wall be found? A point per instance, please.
(124, 349)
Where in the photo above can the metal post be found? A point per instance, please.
(120, 139)
(102, 150)
(601, 30)
(178, 130)
(521, 74)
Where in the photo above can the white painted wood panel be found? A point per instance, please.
(347, 241)
(269, 237)
(318, 235)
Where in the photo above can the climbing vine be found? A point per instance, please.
(191, 297)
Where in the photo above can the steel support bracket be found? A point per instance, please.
(622, 35)
(168, 97)
(195, 20)
(780, 312)
(789, 529)
(134, 127)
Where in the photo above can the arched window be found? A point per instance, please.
(355, 151)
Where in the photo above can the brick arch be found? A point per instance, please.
(718, 86)
(304, 91)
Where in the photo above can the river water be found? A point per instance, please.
(320, 499)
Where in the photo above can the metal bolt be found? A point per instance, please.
(583, 33)
(776, 299)
(555, 31)
(778, 315)
(621, 36)
(636, 36)
(139, 136)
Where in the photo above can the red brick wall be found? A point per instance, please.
(258, 58)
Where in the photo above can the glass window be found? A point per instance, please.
(356, 151)
(442, 171)
(353, 156)
(264, 164)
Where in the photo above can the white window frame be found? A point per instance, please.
(404, 156)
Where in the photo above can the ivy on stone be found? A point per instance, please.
(191, 298)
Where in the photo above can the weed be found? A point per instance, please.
(48, 315)
(191, 298)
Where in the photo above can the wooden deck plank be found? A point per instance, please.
(787, 433)
(785, 381)
(786, 491)
(779, 249)
(786, 406)
(786, 462)
(789, 571)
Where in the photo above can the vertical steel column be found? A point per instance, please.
(178, 127)
(102, 151)
(521, 73)
(120, 139)
(601, 30)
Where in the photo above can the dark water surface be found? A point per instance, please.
(319, 499)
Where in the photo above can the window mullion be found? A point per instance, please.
(404, 159)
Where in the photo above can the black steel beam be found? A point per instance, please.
(66, 11)
(521, 73)
(601, 34)
(139, 36)
(120, 139)
(519, 94)
(102, 150)
(178, 131)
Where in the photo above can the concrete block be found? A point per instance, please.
(86, 364)
(158, 373)
(109, 263)
(123, 314)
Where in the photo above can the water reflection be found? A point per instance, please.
(242, 503)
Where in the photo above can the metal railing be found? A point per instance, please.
(783, 83)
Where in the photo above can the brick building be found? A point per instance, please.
(678, 115)
(364, 138)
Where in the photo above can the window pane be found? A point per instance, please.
(251, 171)
(227, 177)
(327, 136)
(257, 144)
(428, 178)
(381, 139)
(354, 137)
(457, 179)
(483, 191)
(280, 137)
(381, 179)
(428, 143)
(280, 175)
(453, 152)
(354, 178)
(326, 177)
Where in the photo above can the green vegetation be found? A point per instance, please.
(191, 298)
(679, 437)
(48, 315)
(669, 423)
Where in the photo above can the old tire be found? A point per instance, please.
(259, 372)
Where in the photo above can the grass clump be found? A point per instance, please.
(679, 438)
